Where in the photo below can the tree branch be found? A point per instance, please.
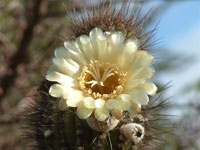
(21, 55)
(10, 121)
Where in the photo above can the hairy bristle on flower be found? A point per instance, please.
(127, 18)
(155, 122)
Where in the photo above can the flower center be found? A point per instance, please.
(102, 80)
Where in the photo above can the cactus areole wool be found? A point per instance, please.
(102, 74)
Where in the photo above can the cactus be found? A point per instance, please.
(52, 125)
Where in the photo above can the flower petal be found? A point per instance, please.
(142, 59)
(134, 83)
(116, 39)
(73, 97)
(53, 68)
(115, 45)
(75, 53)
(99, 103)
(65, 66)
(101, 113)
(82, 111)
(97, 34)
(56, 90)
(149, 87)
(112, 104)
(139, 96)
(71, 93)
(124, 97)
(72, 46)
(73, 102)
(117, 104)
(85, 46)
(89, 102)
(59, 77)
(129, 51)
(61, 52)
(134, 109)
(99, 43)
(144, 72)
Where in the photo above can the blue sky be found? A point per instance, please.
(179, 19)
(179, 30)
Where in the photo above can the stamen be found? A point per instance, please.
(95, 72)
(98, 72)
(92, 74)
(101, 83)
(107, 73)
(102, 80)
(93, 82)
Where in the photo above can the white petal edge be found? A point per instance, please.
(59, 77)
(149, 87)
(89, 102)
(115, 46)
(142, 59)
(143, 72)
(139, 96)
(134, 83)
(99, 43)
(56, 90)
(124, 97)
(99, 103)
(66, 66)
(117, 104)
(129, 51)
(61, 52)
(73, 97)
(101, 114)
(75, 53)
(82, 111)
(85, 45)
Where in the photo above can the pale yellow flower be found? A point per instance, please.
(101, 73)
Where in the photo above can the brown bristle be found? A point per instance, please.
(108, 18)
(38, 121)
(155, 123)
